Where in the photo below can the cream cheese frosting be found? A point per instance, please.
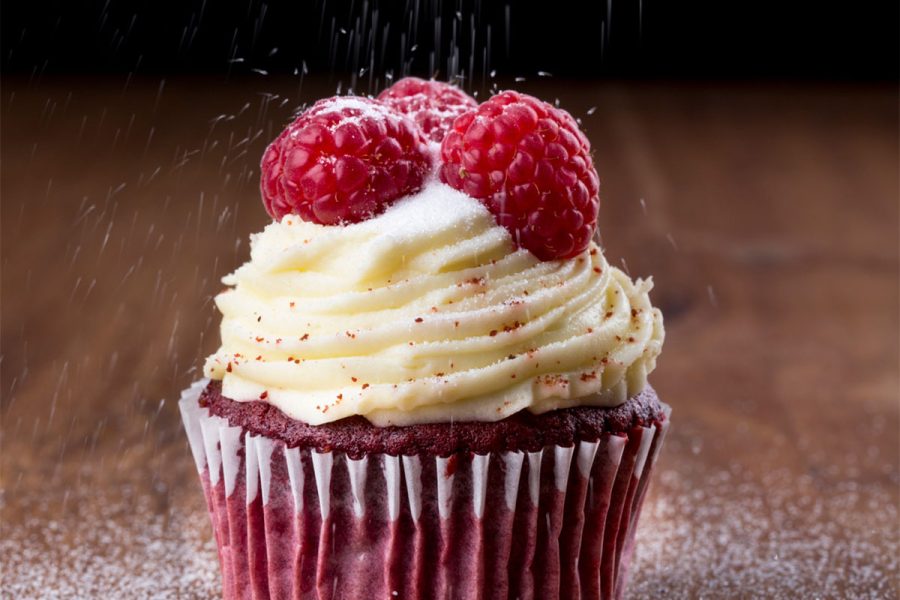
(428, 313)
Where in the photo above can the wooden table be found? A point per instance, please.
(768, 216)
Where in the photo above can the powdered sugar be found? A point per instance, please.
(430, 212)
(737, 537)
(747, 530)
(732, 536)
(96, 546)
(365, 107)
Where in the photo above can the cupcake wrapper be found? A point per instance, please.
(300, 524)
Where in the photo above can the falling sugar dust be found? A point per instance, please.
(98, 494)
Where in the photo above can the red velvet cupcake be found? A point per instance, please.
(431, 383)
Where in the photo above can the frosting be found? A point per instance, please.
(428, 313)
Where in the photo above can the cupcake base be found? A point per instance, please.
(299, 522)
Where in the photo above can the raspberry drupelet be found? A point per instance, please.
(343, 161)
(433, 105)
(530, 164)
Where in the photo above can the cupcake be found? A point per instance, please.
(431, 383)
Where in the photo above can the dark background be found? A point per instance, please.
(623, 39)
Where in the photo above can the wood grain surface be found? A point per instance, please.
(767, 215)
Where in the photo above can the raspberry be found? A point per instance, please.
(433, 105)
(343, 161)
(530, 164)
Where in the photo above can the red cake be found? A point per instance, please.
(431, 383)
(356, 437)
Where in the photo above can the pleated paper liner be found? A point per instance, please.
(300, 524)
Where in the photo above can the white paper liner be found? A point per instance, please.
(297, 523)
